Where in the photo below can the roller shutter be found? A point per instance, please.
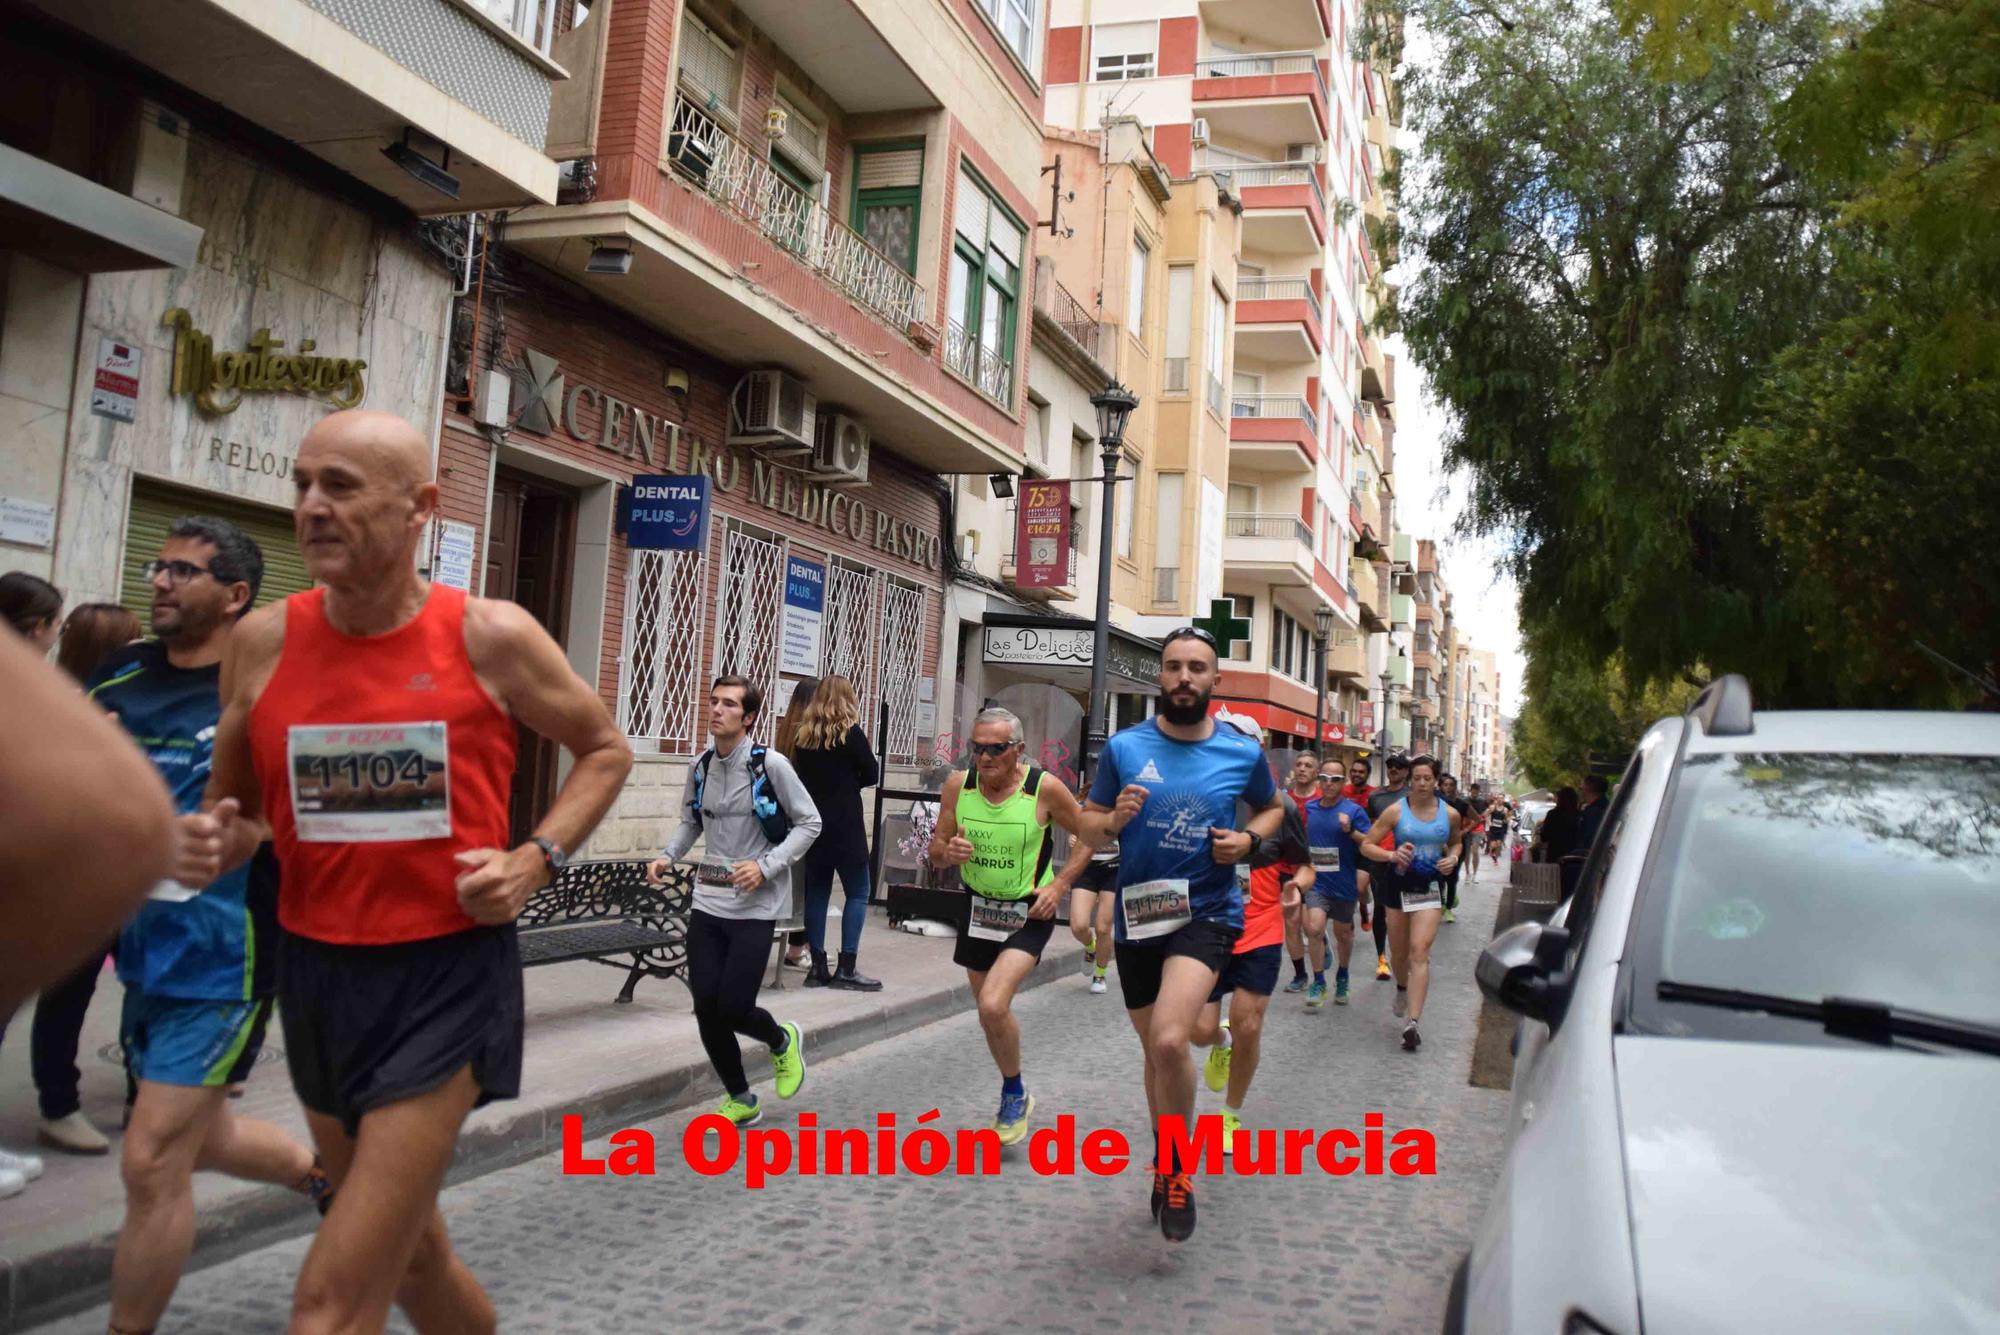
(155, 507)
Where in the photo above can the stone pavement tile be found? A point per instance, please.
(584, 1053)
(1016, 1252)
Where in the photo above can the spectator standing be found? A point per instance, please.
(1595, 803)
(834, 762)
(1556, 838)
(33, 607)
(787, 741)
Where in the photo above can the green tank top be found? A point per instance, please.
(1010, 857)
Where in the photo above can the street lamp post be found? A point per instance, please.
(1384, 748)
(1323, 626)
(1114, 404)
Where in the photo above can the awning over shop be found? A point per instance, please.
(1058, 649)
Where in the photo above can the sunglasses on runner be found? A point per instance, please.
(993, 750)
(1191, 633)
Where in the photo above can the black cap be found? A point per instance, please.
(1399, 761)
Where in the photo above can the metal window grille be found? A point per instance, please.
(848, 649)
(749, 606)
(904, 613)
(659, 682)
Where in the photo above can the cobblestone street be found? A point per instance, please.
(1014, 1252)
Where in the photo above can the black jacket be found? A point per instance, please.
(835, 776)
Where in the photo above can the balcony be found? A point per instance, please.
(1275, 548)
(1268, 98)
(1273, 433)
(983, 366)
(1284, 205)
(1278, 24)
(299, 72)
(1373, 369)
(1347, 657)
(1063, 310)
(1277, 321)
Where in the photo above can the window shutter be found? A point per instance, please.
(971, 210)
(709, 64)
(891, 169)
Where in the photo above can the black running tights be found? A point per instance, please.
(725, 965)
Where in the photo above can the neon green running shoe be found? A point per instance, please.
(740, 1112)
(1215, 1072)
(1012, 1123)
(790, 1065)
(1231, 1124)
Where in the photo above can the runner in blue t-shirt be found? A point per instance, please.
(1335, 826)
(1166, 791)
(195, 962)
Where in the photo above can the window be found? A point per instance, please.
(750, 605)
(1167, 520)
(1080, 465)
(1180, 326)
(1124, 50)
(708, 68)
(985, 289)
(1016, 21)
(1242, 498)
(888, 197)
(1218, 345)
(1125, 516)
(530, 20)
(803, 142)
(1135, 288)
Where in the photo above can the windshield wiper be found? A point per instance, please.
(1868, 1021)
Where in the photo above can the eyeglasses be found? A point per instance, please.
(992, 750)
(177, 572)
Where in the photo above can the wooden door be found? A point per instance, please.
(529, 553)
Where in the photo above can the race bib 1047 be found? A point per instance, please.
(370, 783)
(996, 919)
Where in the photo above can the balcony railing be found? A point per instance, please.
(1175, 376)
(1166, 584)
(1289, 406)
(1244, 175)
(1070, 315)
(742, 181)
(983, 366)
(1262, 63)
(1246, 524)
(1279, 289)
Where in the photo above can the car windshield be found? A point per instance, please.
(1874, 877)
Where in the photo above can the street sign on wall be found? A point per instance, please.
(669, 512)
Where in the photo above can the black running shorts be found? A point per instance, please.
(367, 1026)
(1141, 963)
(979, 954)
(1250, 971)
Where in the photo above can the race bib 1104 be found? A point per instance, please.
(370, 783)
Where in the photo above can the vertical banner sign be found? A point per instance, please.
(114, 390)
(1041, 536)
(1368, 721)
(805, 615)
(669, 513)
(456, 547)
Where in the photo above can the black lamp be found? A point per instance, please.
(1114, 404)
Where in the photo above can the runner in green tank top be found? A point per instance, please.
(993, 825)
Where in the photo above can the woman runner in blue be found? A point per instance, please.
(1427, 845)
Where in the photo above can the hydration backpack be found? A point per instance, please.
(764, 804)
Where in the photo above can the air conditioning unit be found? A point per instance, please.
(1200, 135)
(840, 454)
(772, 412)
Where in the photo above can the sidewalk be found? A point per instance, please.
(613, 1065)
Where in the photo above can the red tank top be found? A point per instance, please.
(1263, 918)
(379, 757)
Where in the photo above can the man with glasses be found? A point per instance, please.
(1165, 790)
(993, 825)
(197, 961)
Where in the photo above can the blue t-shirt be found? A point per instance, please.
(1190, 787)
(217, 945)
(1335, 855)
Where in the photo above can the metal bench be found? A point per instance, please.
(606, 912)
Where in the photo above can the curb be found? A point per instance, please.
(77, 1277)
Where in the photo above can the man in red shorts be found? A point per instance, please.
(371, 724)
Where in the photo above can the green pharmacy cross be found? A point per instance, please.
(1223, 623)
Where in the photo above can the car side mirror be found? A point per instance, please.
(1523, 970)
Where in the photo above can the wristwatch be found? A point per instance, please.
(552, 853)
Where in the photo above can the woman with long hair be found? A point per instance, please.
(90, 634)
(32, 607)
(834, 762)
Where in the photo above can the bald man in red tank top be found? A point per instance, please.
(369, 725)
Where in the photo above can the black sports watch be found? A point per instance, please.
(552, 853)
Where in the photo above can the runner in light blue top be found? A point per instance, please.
(1427, 846)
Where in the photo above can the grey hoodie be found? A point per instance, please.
(730, 833)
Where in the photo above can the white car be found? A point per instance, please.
(1758, 1069)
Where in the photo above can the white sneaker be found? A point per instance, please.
(1401, 1006)
(1096, 987)
(74, 1135)
(11, 1183)
(27, 1167)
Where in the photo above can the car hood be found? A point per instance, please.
(1777, 1187)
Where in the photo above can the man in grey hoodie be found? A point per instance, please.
(739, 800)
